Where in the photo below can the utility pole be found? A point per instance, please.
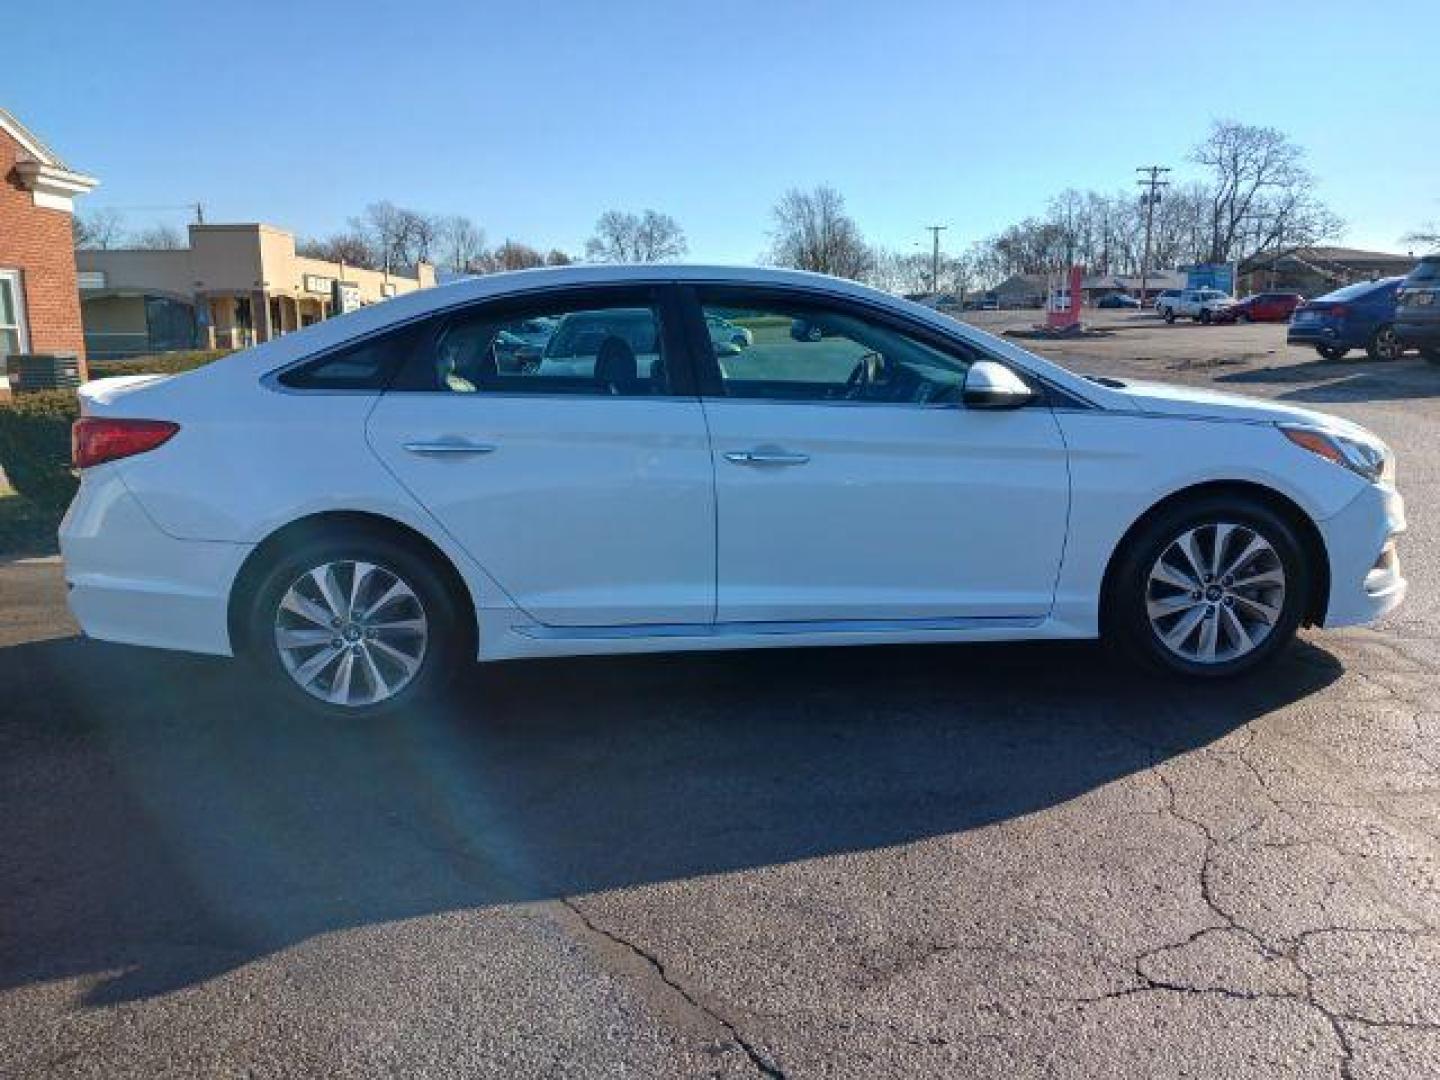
(199, 213)
(935, 231)
(1150, 179)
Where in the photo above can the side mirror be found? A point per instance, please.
(989, 385)
(726, 350)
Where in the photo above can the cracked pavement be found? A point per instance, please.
(1009, 861)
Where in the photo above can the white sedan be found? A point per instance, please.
(360, 507)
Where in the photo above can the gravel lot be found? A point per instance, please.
(980, 862)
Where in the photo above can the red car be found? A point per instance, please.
(1265, 307)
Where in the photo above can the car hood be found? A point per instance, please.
(1191, 401)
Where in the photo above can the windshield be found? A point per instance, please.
(1426, 273)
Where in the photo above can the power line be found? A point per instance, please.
(1151, 180)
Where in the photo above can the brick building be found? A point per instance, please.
(39, 299)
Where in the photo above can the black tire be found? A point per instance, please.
(1243, 317)
(1384, 345)
(1332, 352)
(1170, 315)
(1204, 316)
(448, 639)
(1125, 624)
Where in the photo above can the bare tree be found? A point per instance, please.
(99, 229)
(1426, 236)
(462, 242)
(386, 228)
(558, 258)
(623, 237)
(423, 233)
(813, 232)
(1260, 194)
(511, 255)
(159, 237)
(350, 248)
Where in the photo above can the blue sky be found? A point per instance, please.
(535, 117)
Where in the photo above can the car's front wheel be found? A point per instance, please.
(1209, 589)
(1169, 315)
(355, 625)
(1204, 316)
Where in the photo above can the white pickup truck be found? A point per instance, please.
(1202, 305)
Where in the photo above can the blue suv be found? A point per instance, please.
(1417, 312)
(1360, 316)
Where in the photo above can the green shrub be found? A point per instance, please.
(172, 363)
(35, 445)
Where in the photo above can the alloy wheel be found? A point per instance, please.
(351, 633)
(1215, 593)
(1387, 345)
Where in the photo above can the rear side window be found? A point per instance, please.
(1426, 273)
(366, 365)
(595, 343)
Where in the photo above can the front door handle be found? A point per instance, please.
(765, 457)
(437, 449)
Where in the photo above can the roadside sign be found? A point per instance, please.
(1211, 276)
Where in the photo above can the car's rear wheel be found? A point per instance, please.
(1208, 590)
(1384, 345)
(355, 625)
(1331, 352)
(1169, 315)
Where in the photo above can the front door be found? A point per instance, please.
(851, 484)
(553, 440)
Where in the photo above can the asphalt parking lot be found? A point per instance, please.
(1012, 861)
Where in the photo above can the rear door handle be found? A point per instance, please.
(765, 457)
(436, 449)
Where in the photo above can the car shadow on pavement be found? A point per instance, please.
(1360, 380)
(161, 823)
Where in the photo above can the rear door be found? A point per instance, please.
(578, 475)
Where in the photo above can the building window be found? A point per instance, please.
(12, 314)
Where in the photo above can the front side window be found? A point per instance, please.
(12, 314)
(799, 350)
(587, 348)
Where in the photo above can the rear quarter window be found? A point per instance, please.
(366, 365)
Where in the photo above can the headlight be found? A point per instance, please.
(1368, 457)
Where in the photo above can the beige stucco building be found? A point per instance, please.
(235, 285)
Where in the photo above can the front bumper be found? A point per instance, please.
(131, 582)
(1365, 577)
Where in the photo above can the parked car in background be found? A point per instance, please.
(1417, 309)
(1118, 300)
(1165, 297)
(402, 506)
(1359, 316)
(1202, 305)
(1264, 307)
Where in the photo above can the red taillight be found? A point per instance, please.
(95, 440)
(1338, 311)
